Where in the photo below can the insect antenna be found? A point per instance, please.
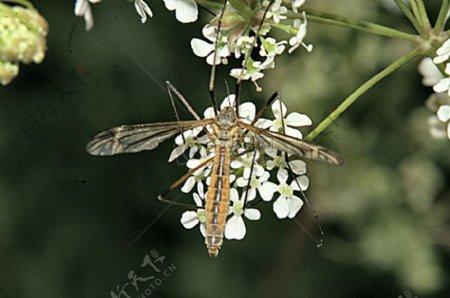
(213, 68)
(319, 242)
(247, 57)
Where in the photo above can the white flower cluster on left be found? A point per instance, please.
(255, 174)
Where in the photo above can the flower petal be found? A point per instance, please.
(187, 11)
(176, 153)
(293, 132)
(297, 119)
(444, 113)
(442, 86)
(201, 48)
(188, 185)
(282, 175)
(189, 219)
(234, 195)
(252, 214)
(303, 181)
(267, 190)
(247, 111)
(295, 204)
(276, 106)
(281, 207)
(235, 228)
(298, 166)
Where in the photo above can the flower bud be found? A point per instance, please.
(22, 37)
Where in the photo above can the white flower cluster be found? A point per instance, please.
(439, 102)
(235, 40)
(262, 173)
(22, 39)
(186, 11)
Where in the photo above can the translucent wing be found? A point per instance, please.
(139, 137)
(293, 145)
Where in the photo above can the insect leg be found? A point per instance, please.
(268, 102)
(213, 68)
(162, 196)
(171, 88)
(319, 242)
(250, 177)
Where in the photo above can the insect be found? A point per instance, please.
(227, 132)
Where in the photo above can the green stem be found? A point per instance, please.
(25, 3)
(415, 10)
(360, 91)
(209, 4)
(423, 15)
(404, 8)
(330, 19)
(442, 18)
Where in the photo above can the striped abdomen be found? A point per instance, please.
(218, 199)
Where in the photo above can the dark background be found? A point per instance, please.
(67, 219)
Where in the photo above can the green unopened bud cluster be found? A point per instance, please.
(23, 34)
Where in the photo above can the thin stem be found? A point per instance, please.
(330, 19)
(209, 4)
(360, 91)
(442, 17)
(25, 3)
(415, 10)
(423, 15)
(407, 12)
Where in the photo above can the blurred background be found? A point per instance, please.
(73, 225)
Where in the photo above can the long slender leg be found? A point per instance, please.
(268, 102)
(172, 102)
(319, 243)
(250, 177)
(213, 68)
(162, 198)
(171, 88)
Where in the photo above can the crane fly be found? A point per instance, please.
(227, 132)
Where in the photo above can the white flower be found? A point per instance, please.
(287, 204)
(277, 11)
(201, 173)
(243, 44)
(190, 219)
(186, 11)
(437, 128)
(187, 139)
(295, 119)
(83, 9)
(430, 72)
(202, 48)
(143, 10)
(256, 183)
(297, 40)
(235, 226)
(270, 47)
(253, 71)
(443, 53)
